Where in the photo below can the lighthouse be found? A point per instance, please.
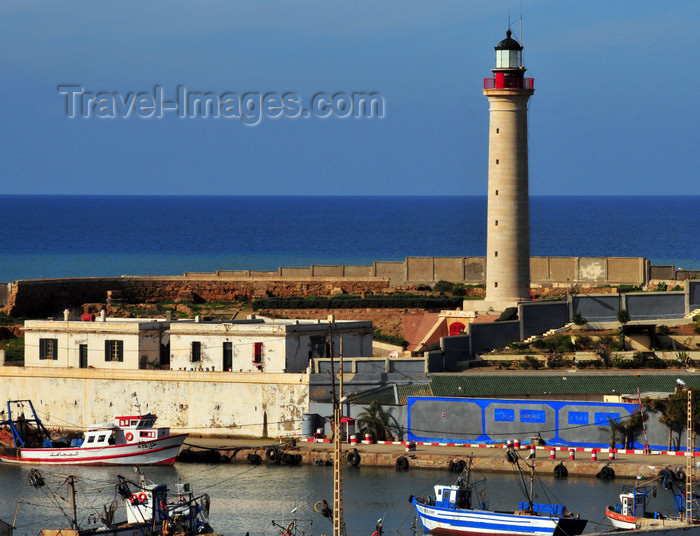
(508, 226)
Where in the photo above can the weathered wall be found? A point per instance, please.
(51, 296)
(5, 293)
(693, 295)
(655, 305)
(209, 403)
(596, 308)
(493, 335)
(568, 423)
(538, 317)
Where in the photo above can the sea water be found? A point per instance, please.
(80, 236)
(246, 498)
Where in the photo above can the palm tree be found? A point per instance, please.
(375, 420)
(614, 427)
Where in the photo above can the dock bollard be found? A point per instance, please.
(532, 451)
(411, 445)
(516, 444)
(368, 439)
(552, 453)
(594, 455)
(572, 454)
(353, 439)
(611, 454)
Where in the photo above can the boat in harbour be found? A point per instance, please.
(451, 512)
(633, 513)
(149, 511)
(128, 440)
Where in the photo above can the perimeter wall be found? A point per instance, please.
(45, 297)
(567, 423)
(207, 403)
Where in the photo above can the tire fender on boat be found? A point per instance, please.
(129, 436)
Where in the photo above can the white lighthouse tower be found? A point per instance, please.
(508, 227)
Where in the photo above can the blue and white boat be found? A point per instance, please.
(450, 513)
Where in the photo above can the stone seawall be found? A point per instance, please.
(46, 297)
(205, 403)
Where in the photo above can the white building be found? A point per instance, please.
(265, 345)
(105, 343)
(253, 345)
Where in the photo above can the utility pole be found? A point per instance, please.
(337, 443)
(689, 461)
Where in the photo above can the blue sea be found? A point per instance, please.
(82, 236)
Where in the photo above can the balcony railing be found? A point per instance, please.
(509, 82)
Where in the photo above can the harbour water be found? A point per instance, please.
(246, 498)
(82, 236)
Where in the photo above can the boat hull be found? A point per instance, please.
(455, 522)
(161, 451)
(620, 521)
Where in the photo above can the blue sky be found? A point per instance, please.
(615, 110)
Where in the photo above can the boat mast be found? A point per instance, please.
(689, 462)
(71, 485)
(337, 444)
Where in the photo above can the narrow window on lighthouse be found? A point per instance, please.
(496, 192)
(497, 161)
(496, 223)
(496, 254)
(498, 130)
(495, 284)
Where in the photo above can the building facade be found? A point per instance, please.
(253, 345)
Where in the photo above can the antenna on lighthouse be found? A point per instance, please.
(522, 44)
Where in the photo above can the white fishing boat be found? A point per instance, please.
(149, 511)
(128, 440)
(450, 513)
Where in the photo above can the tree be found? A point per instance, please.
(674, 413)
(615, 427)
(623, 317)
(376, 421)
(630, 428)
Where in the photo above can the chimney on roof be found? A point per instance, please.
(66, 315)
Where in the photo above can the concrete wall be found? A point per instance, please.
(566, 423)
(492, 335)
(209, 403)
(655, 305)
(693, 295)
(538, 317)
(372, 365)
(596, 308)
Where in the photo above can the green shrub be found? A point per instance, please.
(511, 313)
(349, 301)
(583, 342)
(578, 319)
(391, 339)
(662, 287)
(443, 286)
(14, 349)
(530, 362)
(663, 329)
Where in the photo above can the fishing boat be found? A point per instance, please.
(128, 440)
(149, 511)
(450, 511)
(632, 512)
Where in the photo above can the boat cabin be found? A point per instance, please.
(453, 497)
(140, 428)
(633, 504)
